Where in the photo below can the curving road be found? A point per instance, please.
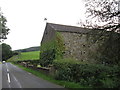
(14, 77)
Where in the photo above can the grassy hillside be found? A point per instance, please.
(34, 55)
(36, 48)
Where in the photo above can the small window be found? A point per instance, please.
(84, 52)
(84, 45)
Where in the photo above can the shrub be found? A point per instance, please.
(47, 57)
(51, 50)
(87, 74)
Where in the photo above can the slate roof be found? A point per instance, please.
(66, 28)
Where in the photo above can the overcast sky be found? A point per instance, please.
(26, 18)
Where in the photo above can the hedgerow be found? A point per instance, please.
(87, 74)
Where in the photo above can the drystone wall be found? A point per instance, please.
(93, 48)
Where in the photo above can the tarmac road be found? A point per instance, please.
(14, 77)
(0, 75)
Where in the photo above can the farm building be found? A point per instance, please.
(93, 46)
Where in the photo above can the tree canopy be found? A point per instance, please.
(4, 30)
(6, 51)
(103, 14)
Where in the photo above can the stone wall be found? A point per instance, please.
(86, 47)
(49, 34)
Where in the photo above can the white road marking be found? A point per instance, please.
(6, 65)
(8, 77)
(7, 70)
(17, 81)
(13, 77)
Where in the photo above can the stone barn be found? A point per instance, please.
(87, 45)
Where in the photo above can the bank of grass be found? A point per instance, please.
(65, 84)
(34, 55)
(13, 58)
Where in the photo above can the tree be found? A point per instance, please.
(103, 14)
(4, 30)
(6, 51)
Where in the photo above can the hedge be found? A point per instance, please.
(88, 74)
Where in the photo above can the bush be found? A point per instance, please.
(87, 74)
(47, 57)
(51, 50)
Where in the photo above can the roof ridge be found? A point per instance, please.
(50, 25)
(69, 28)
(65, 25)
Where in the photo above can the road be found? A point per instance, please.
(14, 77)
(0, 76)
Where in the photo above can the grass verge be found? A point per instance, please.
(65, 84)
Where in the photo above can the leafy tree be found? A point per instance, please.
(6, 51)
(103, 14)
(4, 30)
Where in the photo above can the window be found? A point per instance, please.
(84, 52)
(84, 45)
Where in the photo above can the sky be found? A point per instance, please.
(25, 18)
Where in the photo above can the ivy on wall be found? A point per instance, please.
(60, 47)
(47, 53)
(51, 50)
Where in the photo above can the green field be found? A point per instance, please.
(34, 55)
